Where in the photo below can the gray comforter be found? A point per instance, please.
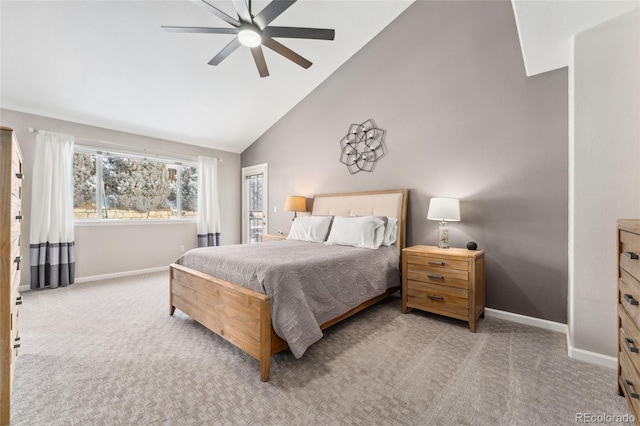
(309, 283)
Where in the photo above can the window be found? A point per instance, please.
(114, 186)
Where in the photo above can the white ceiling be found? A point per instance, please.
(108, 64)
(545, 27)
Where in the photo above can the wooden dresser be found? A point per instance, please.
(444, 281)
(10, 263)
(629, 312)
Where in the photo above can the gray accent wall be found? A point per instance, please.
(447, 82)
(116, 248)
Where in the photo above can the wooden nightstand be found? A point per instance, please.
(273, 237)
(444, 281)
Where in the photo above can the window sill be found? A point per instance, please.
(126, 222)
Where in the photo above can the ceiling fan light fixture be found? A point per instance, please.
(250, 37)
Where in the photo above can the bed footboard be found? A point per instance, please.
(237, 314)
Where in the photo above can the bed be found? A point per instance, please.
(242, 311)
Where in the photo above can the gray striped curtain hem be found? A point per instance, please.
(52, 264)
(209, 240)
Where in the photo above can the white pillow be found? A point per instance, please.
(359, 231)
(391, 231)
(310, 228)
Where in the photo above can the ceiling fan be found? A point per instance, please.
(255, 32)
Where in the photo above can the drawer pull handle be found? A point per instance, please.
(629, 298)
(631, 345)
(19, 217)
(18, 259)
(631, 255)
(432, 297)
(19, 300)
(627, 386)
(19, 175)
(435, 277)
(431, 262)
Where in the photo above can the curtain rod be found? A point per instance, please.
(144, 150)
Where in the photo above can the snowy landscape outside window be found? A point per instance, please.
(110, 186)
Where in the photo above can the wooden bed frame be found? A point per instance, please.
(243, 316)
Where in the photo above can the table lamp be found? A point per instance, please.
(444, 209)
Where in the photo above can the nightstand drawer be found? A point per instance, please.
(439, 298)
(438, 275)
(437, 262)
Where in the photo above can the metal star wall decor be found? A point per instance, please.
(362, 147)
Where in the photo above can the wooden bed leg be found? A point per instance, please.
(265, 339)
(265, 366)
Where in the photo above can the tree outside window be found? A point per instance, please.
(127, 187)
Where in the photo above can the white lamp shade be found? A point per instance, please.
(444, 209)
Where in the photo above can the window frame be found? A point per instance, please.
(99, 155)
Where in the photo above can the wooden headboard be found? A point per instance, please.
(377, 203)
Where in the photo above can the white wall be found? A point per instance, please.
(604, 169)
(114, 248)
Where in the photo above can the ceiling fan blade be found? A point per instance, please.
(294, 32)
(258, 57)
(286, 52)
(228, 50)
(271, 12)
(243, 10)
(206, 30)
(220, 14)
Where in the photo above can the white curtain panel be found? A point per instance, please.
(208, 203)
(52, 246)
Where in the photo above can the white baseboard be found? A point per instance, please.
(592, 357)
(109, 276)
(121, 274)
(523, 319)
(575, 353)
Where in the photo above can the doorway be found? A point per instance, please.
(255, 192)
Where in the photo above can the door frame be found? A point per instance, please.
(248, 171)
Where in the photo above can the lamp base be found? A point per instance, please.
(443, 235)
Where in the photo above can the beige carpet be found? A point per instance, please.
(108, 353)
